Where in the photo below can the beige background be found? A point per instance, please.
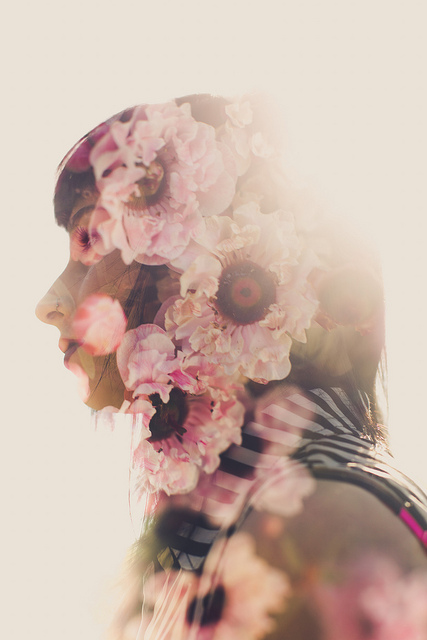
(351, 78)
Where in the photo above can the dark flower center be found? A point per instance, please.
(209, 609)
(245, 292)
(151, 187)
(367, 627)
(169, 417)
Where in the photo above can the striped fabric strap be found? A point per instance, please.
(321, 429)
(346, 457)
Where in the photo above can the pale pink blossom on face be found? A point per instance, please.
(234, 599)
(99, 324)
(246, 295)
(376, 601)
(158, 174)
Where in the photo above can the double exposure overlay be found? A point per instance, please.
(211, 306)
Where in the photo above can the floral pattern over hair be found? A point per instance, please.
(187, 410)
(240, 280)
(167, 186)
(247, 276)
(158, 174)
(246, 295)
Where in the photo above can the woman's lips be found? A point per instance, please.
(83, 359)
(71, 349)
(68, 347)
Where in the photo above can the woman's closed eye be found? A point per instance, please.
(82, 243)
(82, 238)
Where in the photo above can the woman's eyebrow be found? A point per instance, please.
(74, 219)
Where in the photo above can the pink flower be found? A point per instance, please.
(146, 359)
(242, 136)
(375, 601)
(189, 411)
(158, 174)
(232, 600)
(246, 295)
(99, 324)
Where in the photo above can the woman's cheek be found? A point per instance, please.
(110, 277)
(101, 379)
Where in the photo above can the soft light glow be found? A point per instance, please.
(349, 78)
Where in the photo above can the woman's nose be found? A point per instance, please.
(56, 306)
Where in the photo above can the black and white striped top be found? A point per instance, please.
(321, 429)
(334, 448)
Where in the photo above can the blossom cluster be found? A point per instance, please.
(178, 192)
(245, 277)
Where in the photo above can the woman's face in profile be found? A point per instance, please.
(155, 191)
(75, 284)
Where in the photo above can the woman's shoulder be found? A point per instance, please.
(340, 521)
(343, 548)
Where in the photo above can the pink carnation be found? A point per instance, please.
(146, 359)
(99, 324)
(158, 174)
(189, 411)
(246, 295)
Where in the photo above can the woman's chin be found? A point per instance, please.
(99, 382)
